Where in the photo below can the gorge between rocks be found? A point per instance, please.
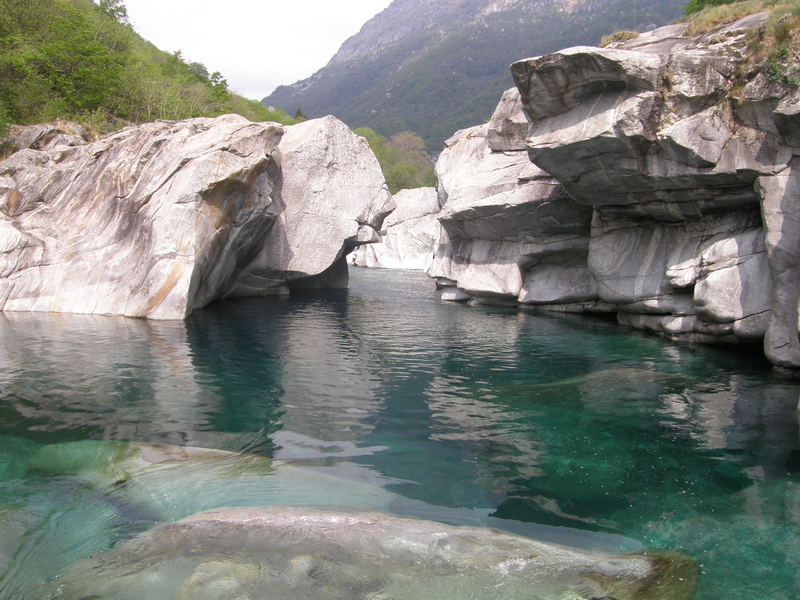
(614, 415)
(561, 428)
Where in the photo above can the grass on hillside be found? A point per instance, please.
(712, 16)
(773, 48)
(618, 36)
(79, 60)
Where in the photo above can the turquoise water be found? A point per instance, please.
(563, 428)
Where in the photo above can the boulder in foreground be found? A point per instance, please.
(288, 552)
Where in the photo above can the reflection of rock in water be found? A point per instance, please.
(312, 554)
(323, 368)
(616, 383)
(171, 482)
(507, 455)
(126, 367)
(80, 497)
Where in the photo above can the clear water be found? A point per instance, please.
(563, 428)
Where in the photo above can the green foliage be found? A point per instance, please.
(4, 121)
(782, 39)
(617, 36)
(114, 9)
(698, 5)
(773, 48)
(77, 60)
(403, 159)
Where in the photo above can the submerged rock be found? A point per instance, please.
(302, 553)
(612, 380)
(165, 483)
(163, 218)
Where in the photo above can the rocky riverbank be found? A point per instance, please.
(657, 180)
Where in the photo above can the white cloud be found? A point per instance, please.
(255, 45)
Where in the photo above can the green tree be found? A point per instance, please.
(54, 60)
(4, 121)
(114, 9)
(403, 159)
(199, 70)
(407, 141)
(80, 60)
(82, 70)
(219, 86)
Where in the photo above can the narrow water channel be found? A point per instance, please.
(563, 428)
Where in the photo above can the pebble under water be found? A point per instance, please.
(563, 428)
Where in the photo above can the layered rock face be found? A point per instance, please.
(159, 219)
(408, 234)
(689, 169)
(510, 233)
(692, 187)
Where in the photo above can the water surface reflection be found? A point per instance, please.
(562, 427)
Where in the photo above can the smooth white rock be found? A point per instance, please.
(159, 219)
(408, 235)
(508, 126)
(501, 216)
(781, 215)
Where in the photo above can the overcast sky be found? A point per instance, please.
(256, 44)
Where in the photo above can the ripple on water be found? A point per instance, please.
(559, 427)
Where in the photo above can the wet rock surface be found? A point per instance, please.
(313, 553)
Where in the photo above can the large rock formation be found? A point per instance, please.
(159, 219)
(510, 233)
(408, 234)
(688, 163)
(322, 554)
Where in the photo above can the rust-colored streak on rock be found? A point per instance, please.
(169, 284)
(13, 201)
(195, 192)
(222, 197)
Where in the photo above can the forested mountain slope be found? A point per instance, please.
(435, 66)
(74, 59)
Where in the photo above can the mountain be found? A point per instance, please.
(436, 66)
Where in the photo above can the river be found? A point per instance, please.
(560, 427)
